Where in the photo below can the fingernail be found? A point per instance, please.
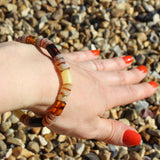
(95, 52)
(142, 68)
(153, 84)
(131, 138)
(127, 59)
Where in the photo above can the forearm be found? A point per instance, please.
(28, 77)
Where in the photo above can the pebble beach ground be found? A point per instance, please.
(116, 28)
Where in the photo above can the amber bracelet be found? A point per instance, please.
(64, 74)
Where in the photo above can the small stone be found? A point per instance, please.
(158, 121)
(14, 119)
(49, 155)
(45, 130)
(36, 130)
(49, 147)
(117, 12)
(25, 12)
(15, 141)
(154, 38)
(156, 18)
(149, 8)
(114, 150)
(6, 115)
(125, 121)
(53, 3)
(9, 133)
(134, 156)
(105, 155)
(151, 122)
(31, 136)
(19, 151)
(57, 158)
(154, 132)
(3, 148)
(58, 14)
(80, 148)
(117, 50)
(11, 7)
(140, 59)
(42, 140)
(33, 146)
(21, 135)
(6, 29)
(145, 136)
(91, 156)
(146, 112)
(2, 137)
(79, 17)
(140, 105)
(61, 138)
(5, 126)
(64, 34)
(49, 8)
(130, 114)
(123, 151)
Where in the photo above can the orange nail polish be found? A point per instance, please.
(127, 59)
(153, 84)
(142, 68)
(131, 138)
(95, 52)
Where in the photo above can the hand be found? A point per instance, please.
(28, 80)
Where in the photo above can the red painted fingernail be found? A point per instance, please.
(142, 68)
(153, 84)
(127, 59)
(131, 138)
(95, 52)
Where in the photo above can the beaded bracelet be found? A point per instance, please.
(64, 74)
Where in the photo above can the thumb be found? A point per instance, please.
(117, 133)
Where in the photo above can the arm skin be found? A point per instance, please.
(28, 80)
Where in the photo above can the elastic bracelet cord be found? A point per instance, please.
(64, 74)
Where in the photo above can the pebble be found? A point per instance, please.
(154, 38)
(154, 132)
(105, 155)
(80, 148)
(140, 59)
(135, 156)
(5, 126)
(42, 140)
(19, 152)
(91, 156)
(15, 141)
(33, 146)
(61, 138)
(3, 148)
(45, 130)
(140, 105)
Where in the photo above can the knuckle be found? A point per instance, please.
(119, 62)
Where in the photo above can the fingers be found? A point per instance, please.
(122, 95)
(113, 64)
(118, 133)
(122, 77)
(82, 55)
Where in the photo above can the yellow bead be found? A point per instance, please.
(18, 113)
(66, 76)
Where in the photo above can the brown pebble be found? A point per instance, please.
(19, 151)
(33, 146)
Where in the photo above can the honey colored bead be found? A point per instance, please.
(66, 76)
(31, 40)
(18, 113)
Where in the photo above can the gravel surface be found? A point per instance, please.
(116, 28)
